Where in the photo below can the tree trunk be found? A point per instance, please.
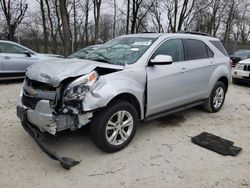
(66, 27)
(45, 32)
(86, 22)
(75, 28)
(128, 16)
(114, 20)
(97, 12)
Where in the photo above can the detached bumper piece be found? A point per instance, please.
(215, 143)
(36, 134)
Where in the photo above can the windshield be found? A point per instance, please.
(242, 52)
(121, 51)
(83, 52)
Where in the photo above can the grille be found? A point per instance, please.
(39, 85)
(246, 68)
(30, 101)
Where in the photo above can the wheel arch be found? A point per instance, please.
(225, 81)
(129, 98)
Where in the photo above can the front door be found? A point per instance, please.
(168, 85)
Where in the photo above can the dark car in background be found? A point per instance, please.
(240, 55)
(81, 54)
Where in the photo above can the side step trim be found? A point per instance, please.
(175, 110)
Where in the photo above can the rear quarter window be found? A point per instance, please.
(197, 49)
(219, 46)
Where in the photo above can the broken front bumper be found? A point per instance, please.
(36, 134)
(42, 117)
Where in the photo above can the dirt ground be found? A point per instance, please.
(161, 154)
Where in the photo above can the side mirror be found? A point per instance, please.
(162, 60)
(27, 53)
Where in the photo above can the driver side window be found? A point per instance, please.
(172, 47)
(11, 48)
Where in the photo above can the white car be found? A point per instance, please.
(15, 58)
(241, 72)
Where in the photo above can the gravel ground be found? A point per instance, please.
(161, 154)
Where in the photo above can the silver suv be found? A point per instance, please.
(130, 78)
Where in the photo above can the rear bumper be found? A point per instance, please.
(37, 135)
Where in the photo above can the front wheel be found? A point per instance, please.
(216, 99)
(114, 127)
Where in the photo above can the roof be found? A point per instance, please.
(157, 35)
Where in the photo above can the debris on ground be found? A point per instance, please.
(216, 143)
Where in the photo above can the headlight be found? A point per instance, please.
(78, 89)
(239, 66)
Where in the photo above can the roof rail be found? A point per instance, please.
(194, 33)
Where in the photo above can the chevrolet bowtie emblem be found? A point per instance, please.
(32, 92)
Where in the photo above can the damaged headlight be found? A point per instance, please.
(78, 89)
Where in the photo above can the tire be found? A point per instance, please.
(217, 94)
(235, 81)
(108, 118)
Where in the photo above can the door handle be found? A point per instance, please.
(184, 69)
(6, 57)
(211, 63)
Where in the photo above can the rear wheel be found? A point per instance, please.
(114, 127)
(216, 99)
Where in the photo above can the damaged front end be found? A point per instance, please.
(46, 108)
(53, 109)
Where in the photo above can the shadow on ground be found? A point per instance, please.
(11, 81)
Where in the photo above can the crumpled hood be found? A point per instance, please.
(56, 70)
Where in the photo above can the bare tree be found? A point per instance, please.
(127, 17)
(14, 12)
(97, 12)
(66, 27)
(114, 18)
(45, 31)
(178, 12)
(136, 4)
(86, 11)
(231, 15)
(156, 19)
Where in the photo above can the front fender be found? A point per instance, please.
(109, 86)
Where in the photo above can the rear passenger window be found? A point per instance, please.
(197, 50)
(173, 47)
(209, 52)
(219, 46)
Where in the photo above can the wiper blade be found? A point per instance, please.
(101, 60)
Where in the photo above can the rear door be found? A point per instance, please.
(202, 65)
(15, 58)
(168, 85)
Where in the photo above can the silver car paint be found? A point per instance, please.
(18, 63)
(60, 69)
(167, 85)
(130, 80)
